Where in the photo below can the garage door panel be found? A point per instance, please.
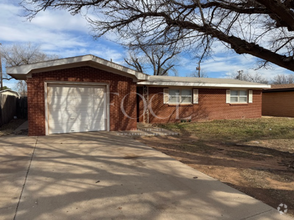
(76, 109)
(97, 126)
(68, 99)
(98, 92)
(82, 100)
(98, 115)
(72, 94)
(78, 113)
(72, 109)
(73, 126)
(69, 89)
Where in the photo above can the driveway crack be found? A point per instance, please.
(25, 180)
(256, 214)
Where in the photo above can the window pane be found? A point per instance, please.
(174, 92)
(187, 99)
(234, 92)
(186, 92)
(174, 99)
(243, 93)
(234, 99)
(243, 99)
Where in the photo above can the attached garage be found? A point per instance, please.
(76, 107)
(79, 94)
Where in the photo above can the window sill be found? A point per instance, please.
(239, 103)
(183, 104)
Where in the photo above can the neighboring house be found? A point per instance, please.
(278, 101)
(8, 103)
(9, 92)
(88, 93)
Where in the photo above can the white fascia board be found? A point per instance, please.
(191, 84)
(24, 70)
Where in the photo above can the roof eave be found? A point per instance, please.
(192, 84)
(24, 71)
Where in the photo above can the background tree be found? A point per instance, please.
(261, 28)
(160, 59)
(21, 87)
(256, 77)
(198, 73)
(4, 88)
(20, 54)
(283, 79)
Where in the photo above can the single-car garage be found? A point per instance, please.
(79, 94)
(76, 107)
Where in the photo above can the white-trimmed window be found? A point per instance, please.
(238, 96)
(180, 96)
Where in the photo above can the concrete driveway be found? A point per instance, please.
(93, 175)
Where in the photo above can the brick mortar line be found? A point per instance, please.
(25, 180)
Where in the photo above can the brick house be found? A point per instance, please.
(278, 101)
(87, 93)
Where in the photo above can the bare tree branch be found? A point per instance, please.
(261, 28)
(161, 59)
(256, 77)
(283, 79)
(20, 54)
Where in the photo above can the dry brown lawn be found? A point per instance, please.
(255, 156)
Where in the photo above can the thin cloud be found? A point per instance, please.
(58, 32)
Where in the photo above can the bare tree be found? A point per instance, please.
(250, 77)
(159, 58)
(21, 87)
(283, 79)
(134, 61)
(261, 28)
(198, 73)
(20, 54)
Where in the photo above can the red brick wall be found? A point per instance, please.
(278, 104)
(117, 84)
(212, 105)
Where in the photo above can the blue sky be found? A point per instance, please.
(58, 32)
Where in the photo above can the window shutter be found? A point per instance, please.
(165, 96)
(195, 96)
(250, 99)
(228, 95)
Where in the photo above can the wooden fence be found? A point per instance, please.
(11, 106)
(22, 107)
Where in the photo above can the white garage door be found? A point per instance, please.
(76, 108)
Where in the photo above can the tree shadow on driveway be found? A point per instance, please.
(104, 176)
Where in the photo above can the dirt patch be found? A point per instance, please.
(260, 168)
(9, 128)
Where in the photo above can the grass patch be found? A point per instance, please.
(237, 130)
(255, 156)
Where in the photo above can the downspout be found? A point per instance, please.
(146, 97)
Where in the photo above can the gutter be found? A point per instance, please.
(192, 84)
